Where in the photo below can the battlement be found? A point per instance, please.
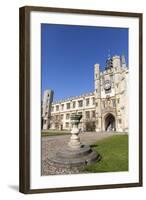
(73, 98)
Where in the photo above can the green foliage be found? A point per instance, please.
(114, 155)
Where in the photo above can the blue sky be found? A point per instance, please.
(68, 55)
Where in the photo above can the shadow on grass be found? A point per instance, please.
(94, 145)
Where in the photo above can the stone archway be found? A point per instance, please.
(110, 123)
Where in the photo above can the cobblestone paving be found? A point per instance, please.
(52, 144)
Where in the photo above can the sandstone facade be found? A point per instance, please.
(104, 109)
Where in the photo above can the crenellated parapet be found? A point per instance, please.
(73, 98)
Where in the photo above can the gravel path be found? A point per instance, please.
(53, 144)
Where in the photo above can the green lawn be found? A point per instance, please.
(54, 133)
(114, 155)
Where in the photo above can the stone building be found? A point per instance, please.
(104, 109)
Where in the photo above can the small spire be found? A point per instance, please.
(109, 61)
(123, 60)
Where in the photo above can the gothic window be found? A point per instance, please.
(68, 105)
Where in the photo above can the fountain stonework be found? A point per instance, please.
(75, 156)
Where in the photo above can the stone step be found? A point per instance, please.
(74, 153)
(74, 162)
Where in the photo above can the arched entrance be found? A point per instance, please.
(110, 124)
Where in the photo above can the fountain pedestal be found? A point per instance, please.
(74, 142)
(75, 156)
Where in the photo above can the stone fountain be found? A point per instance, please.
(75, 156)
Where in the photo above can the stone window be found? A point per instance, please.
(62, 106)
(80, 113)
(67, 124)
(103, 103)
(97, 104)
(87, 102)
(62, 117)
(87, 114)
(93, 114)
(93, 100)
(120, 121)
(52, 108)
(57, 117)
(80, 103)
(57, 108)
(118, 100)
(111, 78)
(67, 116)
(68, 105)
(73, 104)
(114, 102)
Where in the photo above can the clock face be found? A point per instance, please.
(107, 85)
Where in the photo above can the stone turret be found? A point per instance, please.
(116, 62)
(97, 96)
(123, 61)
(46, 108)
(97, 80)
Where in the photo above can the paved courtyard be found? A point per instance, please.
(53, 144)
